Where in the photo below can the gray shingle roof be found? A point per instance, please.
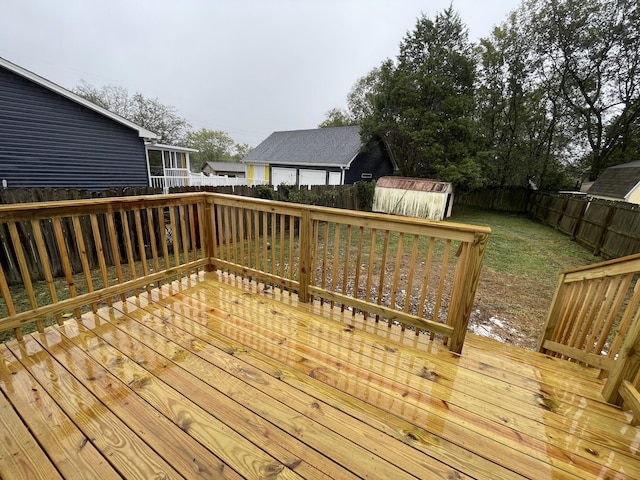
(336, 146)
(617, 181)
(226, 166)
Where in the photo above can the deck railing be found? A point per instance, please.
(417, 273)
(420, 274)
(594, 319)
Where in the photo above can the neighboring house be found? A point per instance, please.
(323, 156)
(51, 137)
(620, 182)
(227, 169)
(413, 197)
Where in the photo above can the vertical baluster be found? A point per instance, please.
(412, 268)
(425, 279)
(291, 248)
(115, 246)
(183, 235)
(282, 229)
(192, 233)
(234, 233)
(273, 243)
(46, 265)
(175, 238)
(241, 234)
(370, 267)
(8, 301)
(66, 264)
(265, 242)
(250, 233)
(97, 239)
(356, 282)
(256, 224)
(164, 241)
(442, 282)
(383, 268)
(336, 259)
(153, 239)
(325, 259)
(129, 247)
(345, 271)
(396, 274)
(84, 261)
(24, 270)
(141, 249)
(315, 225)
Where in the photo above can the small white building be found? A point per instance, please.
(413, 197)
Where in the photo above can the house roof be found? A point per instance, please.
(617, 181)
(336, 147)
(226, 166)
(43, 82)
(170, 148)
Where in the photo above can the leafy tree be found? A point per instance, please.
(214, 146)
(590, 51)
(337, 118)
(424, 103)
(149, 113)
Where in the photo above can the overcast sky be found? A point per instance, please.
(247, 67)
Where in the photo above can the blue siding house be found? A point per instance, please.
(51, 137)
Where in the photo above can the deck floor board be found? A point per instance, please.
(219, 377)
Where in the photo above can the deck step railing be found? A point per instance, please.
(594, 319)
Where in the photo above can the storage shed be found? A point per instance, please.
(413, 197)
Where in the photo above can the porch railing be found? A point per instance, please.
(60, 257)
(594, 319)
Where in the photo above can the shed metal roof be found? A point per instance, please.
(226, 166)
(336, 146)
(416, 184)
(18, 70)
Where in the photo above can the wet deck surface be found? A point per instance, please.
(217, 378)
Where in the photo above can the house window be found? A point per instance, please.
(366, 176)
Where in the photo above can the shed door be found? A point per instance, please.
(281, 175)
(313, 177)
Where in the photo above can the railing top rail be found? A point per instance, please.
(360, 217)
(618, 266)
(39, 210)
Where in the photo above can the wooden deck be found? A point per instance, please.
(219, 378)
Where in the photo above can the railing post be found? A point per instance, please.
(554, 313)
(304, 263)
(210, 231)
(466, 282)
(627, 364)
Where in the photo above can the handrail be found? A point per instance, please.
(418, 273)
(594, 319)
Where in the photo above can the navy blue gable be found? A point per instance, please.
(47, 140)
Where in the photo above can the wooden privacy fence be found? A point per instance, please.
(610, 229)
(420, 274)
(595, 319)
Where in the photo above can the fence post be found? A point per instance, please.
(466, 282)
(605, 228)
(210, 231)
(304, 264)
